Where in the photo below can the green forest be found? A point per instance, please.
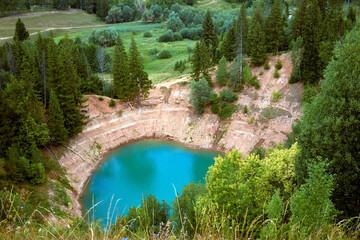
(307, 188)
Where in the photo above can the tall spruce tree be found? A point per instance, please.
(257, 47)
(140, 79)
(20, 31)
(123, 85)
(56, 124)
(222, 72)
(310, 64)
(102, 9)
(330, 127)
(242, 23)
(201, 63)
(229, 45)
(274, 30)
(298, 21)
(209, 35)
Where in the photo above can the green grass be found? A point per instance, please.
(44, 20)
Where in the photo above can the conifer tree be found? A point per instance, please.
(230, 43)
(201, 63)
(257, 47)
(102, 9)
(209, 35)
(20, 31)
(275, 32)
(222, 73)
(298, 22)
(310, 64)
(140, 78)
(123, 86)
(56, 124)
(242, 23)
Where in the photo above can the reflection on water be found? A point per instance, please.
(141, 168)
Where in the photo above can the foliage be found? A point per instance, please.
(153, 51)
(200, 94)
(180, 66)
(275, 96)
(153, 14)
(104, 37)
(191, 33)
(276, 73)
(221, 73)
(261, 73)
(311, 205)
(164, 54)
(245, 110)
(56, 122)
(112, 103)
(20, 31)
(226, 110)
(266, 65)
(278, 64)
(209, 35)
(120, 13)
(167, 37)
(308, 94)
(275, 28)
(184, 206)
(147, 34)
(296, 58)
(330, 125)
(228, 96)
(201, 63)
(257, 47)
(174, 22)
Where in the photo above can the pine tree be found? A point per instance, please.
(242, 23)
(257, 47)
(102, 9)
(310, 64)
(123, 87)
(298, 21)
(230, 44)
(222, 73)
(56, 124)
(209, 35)
(137, 74)
(275, 33)
(201, 63)
(20, 31)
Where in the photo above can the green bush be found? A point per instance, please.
(153, 51)
(178, 37)
(254, 82)
(278, 64)
(275, 96)
(227, 110)
(164, 54)
(167, 37)
(245, 111)
(104, 37)
(180, 66)
(201, 94)
(261, 73)
(228, 96)
(308, 94)
(266, 65)
(215, 107)
(147, 34)
(276, 73)
(112, 103)
(101, 99)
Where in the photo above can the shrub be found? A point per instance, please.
(147, 34)
(174, 22)
(215, 107)
(254, 82)
(245, 111)
(308, 94)
(222, 73)
(120, 13)
(228, 96)
(167, 37)
(261, 73)
(180, 66)
(104, 37)
(165, 54)
(191, 33)
(101, 99)
(275, 96)
(227, 110)
(153, 51)
(266, 65)
(178, 37)
(112, 103)
(201, 94)
(278, 64)
(276, 73)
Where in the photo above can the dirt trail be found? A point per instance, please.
(168, 114)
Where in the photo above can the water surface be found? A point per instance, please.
(145, 167)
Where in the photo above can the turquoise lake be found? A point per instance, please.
(145, 167)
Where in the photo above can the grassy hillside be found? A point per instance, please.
(214, 4)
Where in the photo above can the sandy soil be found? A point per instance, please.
(168, 114)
